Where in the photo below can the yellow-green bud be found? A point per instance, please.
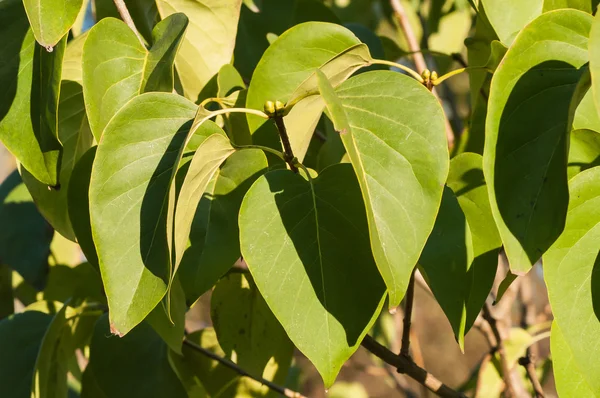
(269, 108)
(434, 76)
(426, 75)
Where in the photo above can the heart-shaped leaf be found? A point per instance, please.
(306, 247)
(128, 195)
(209, 41)
(286, 66)
(116, 67)
(571, 270)
(214, 236)
(29, 100)
(393, 131)
(528, 121)
(50, 20)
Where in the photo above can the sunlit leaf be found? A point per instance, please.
(51, 19)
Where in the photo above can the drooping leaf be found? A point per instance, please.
(296, 237)
(569, 378)
(50, 20)
(214, 236)
(529, 116)
(209, 41)
(143, 12)
(248, 331)
(128, 195)
(170, 324)
(283, 69)
(115, 364)
(509, 17)
(20, 339)
(75, 134)
(79, 205)
(571, 274)
(584, 151)
(116, 67)
(393, 131)
(30, 78)
(25, 236)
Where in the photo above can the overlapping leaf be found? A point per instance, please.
(30, 78)
(393, 131)
(584, 151)
(306, 246)
(528, 122)
(51, 20)
(509, 17)
(116, 67)
(571, 271)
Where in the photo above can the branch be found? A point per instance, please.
(413, 47)
(487, 315)
(410, 297)
(126, 17)
(528, 363)
(226, 362)
(405, 365)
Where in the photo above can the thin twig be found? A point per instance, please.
(529, 364)
(285, 140)
(487, 315)
(413, 47)
(405, 365)
(126, 17)
(410, 296)
(226, 362)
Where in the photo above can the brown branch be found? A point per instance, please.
(226, 362)
(410, 297)
(126, 17)
(285, 140)
(529, 364)
(413, 47)
(405, 365)
(487, 315)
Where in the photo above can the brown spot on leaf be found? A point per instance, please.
(113, 330)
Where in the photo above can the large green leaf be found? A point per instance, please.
(393, 131)
(588, 6)
(75, 134)
(461, 254)
(204, 164)
(568, 378)
(306, 246)
(571, 274)
(248, 331)
(509, 17)
(209, 41)
(30, 77)
(528, 122)
(584, 151)
(25, 236)
(129, 190)
(116, 67)
(143, 12)
(283, 69)
(133, 366)
(170, 323)
(594, 53)
(21, 336)
(586, 115)
(214, 236)
(50, 20)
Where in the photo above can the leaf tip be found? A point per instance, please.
(114, 331)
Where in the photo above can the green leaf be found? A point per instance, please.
(79, 283)
(50, 20)
(289, 64)
(209, 41)
(586, 115)
(571, 274)
(143, 12)
(248, 331)
(25, 332)
(530, 113)
(25, 236)
(129, 190)
(116, 67)
(393, 131)
(29, 101)
(584, 151)
(296, 236)
(214, 237)
(584, 5)
(509, 17)
(170, 324)
(594, 54)
(568, 378)
(115, 364)
(79, 205)
(75, 134)
(7, 300)
(206, 161)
